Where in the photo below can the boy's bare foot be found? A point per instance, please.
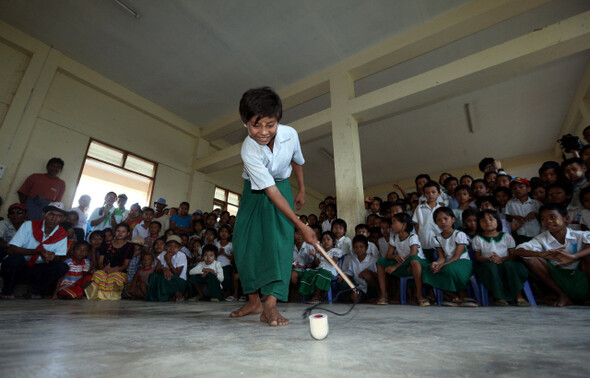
(273, 317)
(253, 306)
(562, 301)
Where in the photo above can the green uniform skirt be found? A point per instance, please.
(404, 270)
(213, 287)
(573, 281)
(263, 242)
(314, 279)
(452, 277)
(160, 289)
(504, 281)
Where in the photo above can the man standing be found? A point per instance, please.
(41, 188)
(32, 253)
(160, 216)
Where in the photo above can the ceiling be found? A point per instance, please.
(195, 58)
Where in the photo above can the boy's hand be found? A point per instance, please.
(204, 273)
(530, 216)
(564, 258)
(309, 235)
(167, 273)
(398, 258)
(299, 200)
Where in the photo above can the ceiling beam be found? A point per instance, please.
(447, 28)
(476, 71)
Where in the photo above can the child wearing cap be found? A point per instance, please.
(559, 257)
(522, 211)
(169, 277)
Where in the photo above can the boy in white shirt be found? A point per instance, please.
(554, 256)
(522, 211)
(208, 273)
(361, 267)
(169, 277)
(343, 242)
(423, 219)
(302, 260)
(385, 238)
(331, 214)
(363, 229)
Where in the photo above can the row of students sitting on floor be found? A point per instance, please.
(557, 258)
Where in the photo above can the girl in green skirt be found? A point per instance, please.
(314, 281)
(453, 268)
(497, 268)
(264, 233)
(404, 258)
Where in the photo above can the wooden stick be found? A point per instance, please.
(340, 272)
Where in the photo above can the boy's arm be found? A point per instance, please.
(219, 272)
(566, 258)
(390, 253)
(281, 203)
(300, 198)
(56, 286)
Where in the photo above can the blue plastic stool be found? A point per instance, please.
(403, 289)
(485, 296)
(438, 293)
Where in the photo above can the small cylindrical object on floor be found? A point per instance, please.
(318, 326)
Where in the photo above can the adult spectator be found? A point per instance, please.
(33, 251)
(8, 227)
(161, 216)
(39, 189)
(120, 212)
(82, 211)
(101, 216)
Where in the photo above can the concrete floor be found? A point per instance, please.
(133, 338)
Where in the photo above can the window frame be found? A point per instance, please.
(223, 204)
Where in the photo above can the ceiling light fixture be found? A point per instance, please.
(128, 9)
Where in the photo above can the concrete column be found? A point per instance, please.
(347, 153)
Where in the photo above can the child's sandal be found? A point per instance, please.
(521, 302)
(423, 302)
(382, 301)
(500, 303)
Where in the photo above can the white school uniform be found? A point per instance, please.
(545, 242)
(301, 256)
(586, 218)
(216, 266)
(334, 252)
(448, 245)
(263, 166)
(179, 259)
(345, 245)
(372, 250)
(353, 267)
(514, 207)
(498, 245)
(327, 225)
(404, 247)
(186, 251)
(140, 231)
(383, 246)
(229, 249)
(427, 228)
(82, 218)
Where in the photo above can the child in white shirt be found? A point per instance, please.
(343, 242)
(424, 221)
(225, 256)
(361, 267)
(209, 273)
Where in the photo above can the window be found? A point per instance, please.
(108, 169)
(226, 200)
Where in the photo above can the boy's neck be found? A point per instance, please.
(560, 235)
(523, 199)
(463, 206)
(362, 257)
(447, 233)
(432, 205)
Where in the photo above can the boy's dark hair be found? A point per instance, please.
(375, 230)
(422, 176)
(583, 192)
(200, 221)
(465, 176)
(55, 160)
(260, 102)
(226, 227)
(430, 184)
(185, 203)
(224, 212)
(485, 162)
(449, 179)
(503, 189)
(82, 243)
(567, 187)
(586, 146)
(66, 225)
(125, 225)
(443, 210)
(562, 210)
(402, 204)
(213, 230)
(361, 239)
(316, 227)
(149, 209)
(490, 199)
(331, 205)
(329, 198)
(487, 174)
(360, 226)
(407, 219)
(385, 220)
(331, 235)
(573, 160)
(493, 213)
(479, 180)
(108, 229)
(74, 213)
(156, 222)
(378, 199)
(550, 165)
(339, 222)
(586, 129)
(96, 233)
(210, 247)
(463, 187)
(468, 213)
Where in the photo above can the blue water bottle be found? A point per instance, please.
(574, 248)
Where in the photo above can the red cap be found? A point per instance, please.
(521, 180)
(21, 206)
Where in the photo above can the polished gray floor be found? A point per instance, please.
(133, 338)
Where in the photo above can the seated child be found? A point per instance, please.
(404, 258)
(559, 256)
(453, 268)
(154, 229)
(330, 216)
(463, 198)
(302, 258)
(137, 289)
(96, 240)
(314, 281)
(169, 277)
(497, 269)
(363, 229)
(469, 223)
(209, 273)
(184, 246)
(343, 242)
(386, 235)
(72, 285)
(225, 256)
(142, 229)
(136, 258)
(522, 211)
(361, 268)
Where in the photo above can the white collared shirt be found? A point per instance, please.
(546, 242)
(514, 207)
(345, 245)
(215, 265)
(498, 245)
(179, 259)
(24, 238)
(354, 267)
(404, 247)
(229, 249)
(448, 245)
(427, 228)
(302, 256)
(263, 166)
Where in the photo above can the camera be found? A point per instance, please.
(570, 143)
